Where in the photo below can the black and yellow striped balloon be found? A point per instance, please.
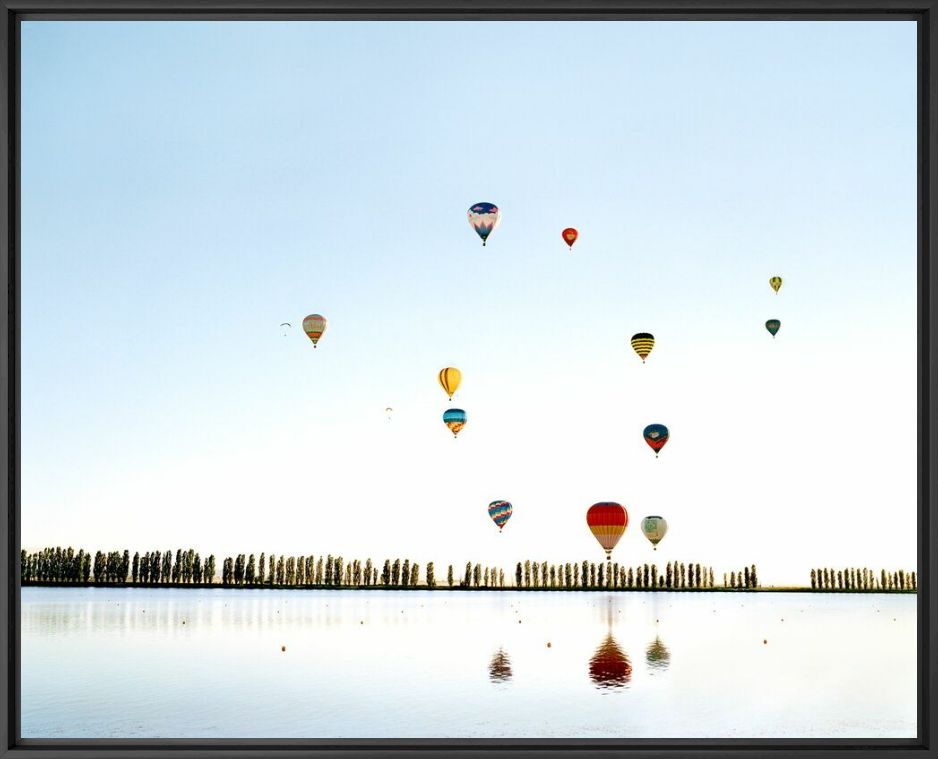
(642, 343)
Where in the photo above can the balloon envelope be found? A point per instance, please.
(656, 435)
(484, 217)
(314, 325)
(450, 377)
(654, 528)
(642, 343)
(455, 419)
(500, 512)
(773, 325)
(607, 521)
(776, 283)
(569, 236)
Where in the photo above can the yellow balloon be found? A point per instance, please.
(776, 283)
(450, 377)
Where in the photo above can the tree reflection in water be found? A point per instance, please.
(657, 655)
(610, 667)
(500, 667)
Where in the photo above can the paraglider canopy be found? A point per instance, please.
(484, 217)
(656, 435)
(642, 343)
(314, 325)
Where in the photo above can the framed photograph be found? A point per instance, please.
(468, 379)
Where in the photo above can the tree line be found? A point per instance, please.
(65, 565)
(857, 578)
(587, 574)
(185, 566)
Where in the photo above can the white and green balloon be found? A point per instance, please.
(654, 528)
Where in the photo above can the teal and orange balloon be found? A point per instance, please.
(455, 419)
(773, 326)
(656, 435)
(500, 512)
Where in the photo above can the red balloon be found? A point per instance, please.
(607, 521)
(569, 236)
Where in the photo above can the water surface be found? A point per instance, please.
(187, 663)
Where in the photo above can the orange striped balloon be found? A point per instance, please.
(314, 325)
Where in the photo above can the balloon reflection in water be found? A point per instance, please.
(500, 667)
(657, 655)
(610, 667)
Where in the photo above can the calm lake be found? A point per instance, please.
(173, 663)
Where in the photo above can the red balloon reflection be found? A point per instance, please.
(610, 667)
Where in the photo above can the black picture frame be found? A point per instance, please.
(923, 12)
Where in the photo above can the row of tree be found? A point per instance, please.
(592, 575)
(855, 578)
(747, 578)
(65, 565)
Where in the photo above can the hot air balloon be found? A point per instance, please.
(484, 217)
(283, 331)
(569, 236)
(607, 521)
(654, 528)
(389, 411)
(610, 667)
(455, 419)
(642, 343)
(656, 435)
(773, 325)
(500, 511)
(776, 283)
(450, 377)
(314, 325)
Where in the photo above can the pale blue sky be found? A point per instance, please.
(189, 186)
